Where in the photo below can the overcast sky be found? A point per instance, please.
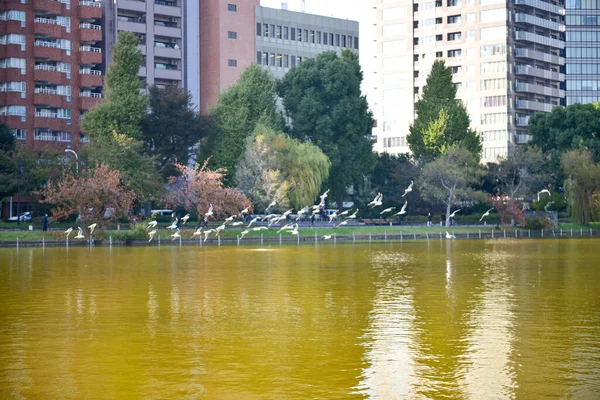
(357, 10)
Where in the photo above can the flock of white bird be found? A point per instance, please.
(271, 219)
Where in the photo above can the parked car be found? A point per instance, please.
(24, 217)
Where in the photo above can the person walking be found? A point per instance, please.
(45, 222)
(429, 219)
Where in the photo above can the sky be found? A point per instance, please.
(358, 10)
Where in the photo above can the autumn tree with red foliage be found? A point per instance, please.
(509, 209)
(198, 187)
(90, 195)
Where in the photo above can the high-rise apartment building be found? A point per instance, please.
(50, 68)
(234, 34)
(583, 51)
(507, 60)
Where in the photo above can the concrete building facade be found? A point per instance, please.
(50, 69)
(507, 60)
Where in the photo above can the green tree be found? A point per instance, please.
(566, 128)
(8, 168)
(521, 174)
(252, 100)
(172, 127)
(442, 121)
(582, 183)
(393, 174)
(323, 99)
(123, 106)
(276, 167)
(450, 179)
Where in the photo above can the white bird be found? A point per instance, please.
(152, 224)
(237, 223)
(92, 227)
(253, 221)
(485, 214)
(332, 216)
(326, 237)
(344, 213)
(547, 206)
(286, 227)
(208, 232)
(80, 234)
(230, 219)
(316, 211)
(68, 231)
(273, 204)
(288, 212)
(244, 233)
(268, 216)
(219, 229)
(449, 236)
(295, 230)
(543, 191)
(324, 195)
(245, 211)
(342, 223)
(176, 235)
(198, 232)
(376, 200)
(260, 228)
(408, 189)
(403, 209)
(173, 224)
(151, 235)
(316, 206)
(301, 212)
(185, 218)
(210, 211)
(454, 213)
(387, 210)
(353, 214)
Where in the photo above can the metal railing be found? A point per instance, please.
(46, 21)
(45, 91)
(86, 25)
(90, 94)
(87, 71)
(90, 48)
(47, 44)
(90, 3)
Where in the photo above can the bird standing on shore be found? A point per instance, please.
(326, 237)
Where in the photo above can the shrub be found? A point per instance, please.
(539, 223)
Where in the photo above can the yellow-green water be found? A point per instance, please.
(463, 319)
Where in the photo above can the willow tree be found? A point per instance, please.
(276, 167)
(582, 183)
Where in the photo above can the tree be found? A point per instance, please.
(393, 174)
(323, 99)
(509, 209)
(521, 173)
(252, 100)
(172, 127)
(199, 187)
(97, 195)
(442, 121)
(276, 167)
(8, 168)
(123, 106)
(563, 129)
(125, 154)
(450, 179)
(582, 184)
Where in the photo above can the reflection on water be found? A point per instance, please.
(497, 319)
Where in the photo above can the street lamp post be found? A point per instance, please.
(21, 169)
(76, 160)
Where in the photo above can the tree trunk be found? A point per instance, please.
(448, 208)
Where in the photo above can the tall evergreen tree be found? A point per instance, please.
(442, 121)
(123, 106)
(252, 100)
(323, 99)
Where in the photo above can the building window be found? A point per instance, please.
(312, 36)
(325, 38)
(266, 30)
(293, 33)
(305, 33)
(286, 61)
(299, 35)
(258, 29)
(286, 33)
(470, 35)
(293, 61)
(454, 19)
(272, 59)
(272, 30)
(278, 32)
(279, 60)
(258, 57)
(454, 53)
(356, 42)
(343, 40)
(20, 134)
(454, 36)
(232, 63)
(337, 40)
(331, 39)
(232, 35)
(319, 37)
(232, 7)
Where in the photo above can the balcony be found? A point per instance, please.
(167, 8)
(43, 73)
(87, 100)
(542, 5)
(12, 50)
(538, 89)
(167, 31)
(539, 39)
(11, 75)
(90, 55)
(50, 120)
(533, 105)
(52, 136)
(12, 26)
(51, 98)
(48, 27)
(137, 27)
(90, 32)
(13, 98)
(172, 74)
(540, 56)
(90, 9)
(521, 138)
(134, 5)
(48, 50)
(90, 77)
(539, 73)
(167, 52)
(537, 21)
(522, 121)
(50, 6)
(143, 72)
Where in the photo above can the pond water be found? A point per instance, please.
(464, 319)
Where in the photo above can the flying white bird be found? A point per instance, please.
(198, 232)
(176, 235)
(273, 204)
(260, 228)
(342, 223)
(547, 206)
(268, 216)
(173, 225)
(485, 214)
(92, 227)
(245, 211)
(185, 218)
(543, 191)
(208, 232)
(301, 212)
(344, 213)
(68, 231)
(449, 236)
(332, 216)
(403, 209)
(285, 227)
(219, 229)
(326, 237)
(230, 219)
(408, 189)
(387, 210)
(237, 223)
(210, 211)
(152, 224)
(253, 221)
(295, 230)
(353, 214)
(454, 213)
(273, 220)
(151, 235)
(288, 212)
(244, 233)
(316, 211)
(80, 234)
(376, 200)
